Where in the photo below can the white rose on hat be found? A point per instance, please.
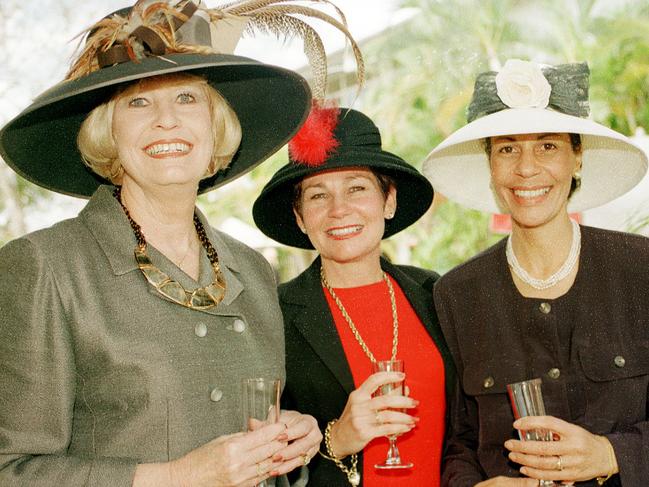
(521, 84)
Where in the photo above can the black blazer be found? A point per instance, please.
(318, 378)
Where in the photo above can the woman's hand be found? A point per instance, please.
(508, 482)
(304, 440)
(237, 460)
(365, 417)
(575, 455)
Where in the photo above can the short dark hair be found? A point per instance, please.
(385, 183)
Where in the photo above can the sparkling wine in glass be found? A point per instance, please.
(527, 400)
(393, 460)
(260, 407)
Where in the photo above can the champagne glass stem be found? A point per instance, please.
(393, 452)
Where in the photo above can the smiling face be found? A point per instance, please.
(343, 213)
(531, 175)
(162, 131)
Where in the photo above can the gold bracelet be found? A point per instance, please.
(611, 460)
(353, 476)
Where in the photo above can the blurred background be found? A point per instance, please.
(421, 59)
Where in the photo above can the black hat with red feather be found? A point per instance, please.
(330, 139)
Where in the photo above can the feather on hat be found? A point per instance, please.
(170, 36)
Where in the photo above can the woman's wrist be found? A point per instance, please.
(334, 448)
(155, 475)
(613, 467)
(353, 477)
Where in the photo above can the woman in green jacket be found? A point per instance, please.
(126, 332)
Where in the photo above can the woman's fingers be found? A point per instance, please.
(576, 455)
(304, 436)
(392, 402)
(374, 381)
(267, 451)
(508, 482)
(550, 423)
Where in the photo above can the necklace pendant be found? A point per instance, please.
(354, 478)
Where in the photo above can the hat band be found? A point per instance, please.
(568, 95)
(147, 37)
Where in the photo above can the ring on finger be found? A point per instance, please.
(305, 458)
(559, 463)
(377, 418)
(260, 470)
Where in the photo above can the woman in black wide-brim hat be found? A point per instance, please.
(126, 332)
(342, 194)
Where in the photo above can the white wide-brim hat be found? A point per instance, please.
(459, 168)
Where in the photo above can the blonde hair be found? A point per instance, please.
(97, 144)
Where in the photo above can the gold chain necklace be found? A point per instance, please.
(200, 298)
(357, 335)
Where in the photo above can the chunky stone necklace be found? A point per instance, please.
(348, 319)
(562, 273)
(200, 298)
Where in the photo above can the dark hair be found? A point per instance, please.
(385, 183)
(575, 143)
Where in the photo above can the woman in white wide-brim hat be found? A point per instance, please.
(564, 303)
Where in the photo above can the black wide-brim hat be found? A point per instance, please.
(359, 145)
(40, 143)
(270, 102)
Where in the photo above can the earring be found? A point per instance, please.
(390, 216)
(576, 177)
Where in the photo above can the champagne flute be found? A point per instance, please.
(393, 460)
(527, 400)
(261, 407)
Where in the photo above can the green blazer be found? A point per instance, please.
(98, 372)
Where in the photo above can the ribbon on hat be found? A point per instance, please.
(158, 28)
(150, 41)
(522, 84)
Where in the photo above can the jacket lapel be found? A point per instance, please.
(311, 316)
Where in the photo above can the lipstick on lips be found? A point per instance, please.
(347, 231)
(168, 148)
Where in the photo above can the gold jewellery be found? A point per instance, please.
(353, 476)
(357, 335)
(611, 460)
(200, 298)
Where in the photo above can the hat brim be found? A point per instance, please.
(40, 143)
(459, 167)
(273, 209)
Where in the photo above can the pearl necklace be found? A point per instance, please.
(561, 274)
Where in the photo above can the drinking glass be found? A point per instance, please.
(527, 400)
(260, 407)
(393, 460)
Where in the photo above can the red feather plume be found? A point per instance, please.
(315, 141)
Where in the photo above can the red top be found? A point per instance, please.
(370, 310)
